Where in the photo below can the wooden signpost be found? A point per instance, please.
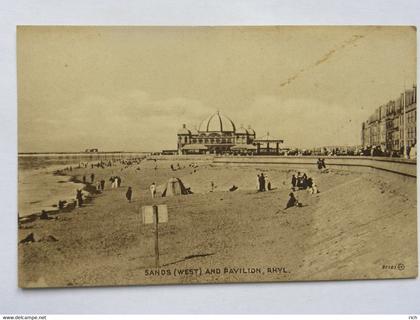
(155, 214)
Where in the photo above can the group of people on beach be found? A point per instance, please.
(263, 183)
(303, 182)
(300, 182)
(115, 182)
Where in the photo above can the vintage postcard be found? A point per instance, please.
(178, 155)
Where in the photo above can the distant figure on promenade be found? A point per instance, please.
(79, 197)
(178, 166)
(319, 164)
(92, 177)
(98, 186)
(172, 167)
(118, 181)
(102, 184)
(153, 189)
(292, 202)
(129, 194)
(84, 179)
(294, 180)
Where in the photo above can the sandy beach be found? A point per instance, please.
(359, 226)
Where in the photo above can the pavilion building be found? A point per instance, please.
(218, 134)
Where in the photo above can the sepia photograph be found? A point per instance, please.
(185, 155)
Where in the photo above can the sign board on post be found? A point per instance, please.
(147, 214)
(155, 214)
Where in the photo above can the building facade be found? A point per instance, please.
(385, 127)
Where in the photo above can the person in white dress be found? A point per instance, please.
(153, 189)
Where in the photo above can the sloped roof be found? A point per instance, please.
(194, 146)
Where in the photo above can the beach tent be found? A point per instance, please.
(174, 187)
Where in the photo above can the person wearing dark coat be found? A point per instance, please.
(118, 182)
(79, 197)
(84, 179)
(309, 182)
(294, 181)
(292, 202)
(262, 177)
(92, 178)
(102, 184)
(129, 194)
(319, 164)
(304, 183)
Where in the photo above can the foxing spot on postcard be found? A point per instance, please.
(177, 155)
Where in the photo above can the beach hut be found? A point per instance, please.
(174, 187)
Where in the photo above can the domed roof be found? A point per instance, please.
(194, 131)
(250, 131)
(217, 123)
(241, 130)
(184, 130)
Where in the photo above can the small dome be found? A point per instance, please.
(217, 123)
(250, 131)
(241, 130)
(184, 130)
(194, 131)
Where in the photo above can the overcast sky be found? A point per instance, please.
(131, 88)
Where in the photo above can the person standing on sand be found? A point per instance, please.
(118, 181)
(92, 177)
(102, 184)
(258, 183)
(84, 179)
(79, 197)
(293, 181)
(113, 182)
(262, 182)
(153, 189)
(129, 194)
(98, 186)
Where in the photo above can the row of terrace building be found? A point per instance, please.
(393, 124)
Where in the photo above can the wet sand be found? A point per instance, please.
(360, 226)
